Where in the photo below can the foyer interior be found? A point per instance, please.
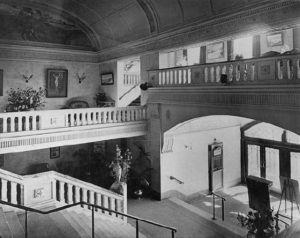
(203, 94)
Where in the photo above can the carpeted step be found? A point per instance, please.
(4, 228)
(40, 226)
(14, 224)
(83, 221)
(64, 225)
(75, 224)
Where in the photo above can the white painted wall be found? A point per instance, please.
(189, 160)
(13, 70)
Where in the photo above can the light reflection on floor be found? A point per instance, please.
(237, 202)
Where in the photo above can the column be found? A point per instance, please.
(4, 190)
(13, 192)
(70, 193)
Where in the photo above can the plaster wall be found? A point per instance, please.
(148, 62)
(23, 163)
(110, 90)
(12, 78)
(189, 161)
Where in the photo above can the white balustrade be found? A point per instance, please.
(90, 193)
(131, 78)
(267, 69)
(56, 119)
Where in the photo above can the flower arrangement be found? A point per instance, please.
(26, 99)
(120, 165)
(259, 223)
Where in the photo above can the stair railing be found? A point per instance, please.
(137, 219)
(277, 220)
(214, 207)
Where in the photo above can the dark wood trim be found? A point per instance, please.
(272, 144)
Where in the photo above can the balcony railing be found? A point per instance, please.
(278, 69)
(131, 79)
(23, 131)
(54, 119)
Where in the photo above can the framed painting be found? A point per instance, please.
(215, 51)
(275, 39)
(107, 79)
(57, 83)
(54, 152)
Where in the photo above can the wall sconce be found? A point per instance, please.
(80, 77)
(27, 77)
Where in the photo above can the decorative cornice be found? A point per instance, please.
(268, 16)
(49, 53)
(286, 97)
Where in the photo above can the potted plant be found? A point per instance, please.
(120, 166)
(25, 99)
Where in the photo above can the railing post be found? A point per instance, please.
(214, 217)
(93, 222)
(276, 224)
(26, 225)
(222, 209)
(137, 228)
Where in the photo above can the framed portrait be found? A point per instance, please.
(54, 152)
(215, 51)
(57, 83)
(275, 39)
(107, 79)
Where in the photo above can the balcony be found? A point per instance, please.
(31, 130)
(282, 69)
(265, 89)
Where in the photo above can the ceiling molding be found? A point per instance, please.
(256, 20)
(150, 13)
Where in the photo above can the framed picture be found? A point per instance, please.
(107, 79)
(215, 51)
(54, 152)
(57, 83)
(99, 147)
(275, 39)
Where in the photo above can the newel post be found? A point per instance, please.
(124, 185)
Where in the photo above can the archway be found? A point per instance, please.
(185, 153)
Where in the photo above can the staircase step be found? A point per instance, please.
(40, 226)
(14, 224)
(4, 228)
(64, 225)
(75, 224)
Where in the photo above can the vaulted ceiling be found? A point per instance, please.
(102, 24)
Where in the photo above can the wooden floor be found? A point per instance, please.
(188, 223)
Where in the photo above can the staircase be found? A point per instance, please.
(70, 223)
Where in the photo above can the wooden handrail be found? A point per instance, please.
(219, 196)
(29, 209)
(214, 209)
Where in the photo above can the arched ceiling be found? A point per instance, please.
(102, 24)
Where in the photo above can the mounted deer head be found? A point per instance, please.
(81, 77)
(27, 77)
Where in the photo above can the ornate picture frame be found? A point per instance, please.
(57, 83)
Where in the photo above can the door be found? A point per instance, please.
(215, 166)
